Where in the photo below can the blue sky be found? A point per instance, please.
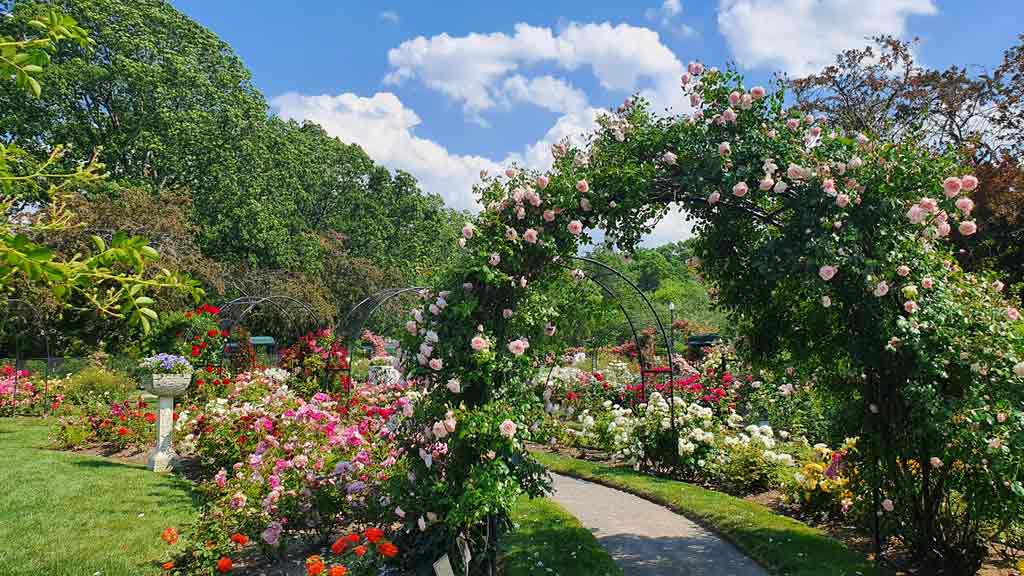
(446, 89)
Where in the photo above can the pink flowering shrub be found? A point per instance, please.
(317, 361)
(18, 393)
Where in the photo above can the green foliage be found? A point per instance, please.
(97, 385)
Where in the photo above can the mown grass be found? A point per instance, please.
(783, 545)
(549, 540)
(64, 514)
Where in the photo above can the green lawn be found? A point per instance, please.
(549, 540)
(65, 514)
(784, 545)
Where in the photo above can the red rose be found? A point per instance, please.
(212, 332)
(196, 351)
(150, 417)
(224, 565)
(122, 431)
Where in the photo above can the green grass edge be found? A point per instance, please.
(782, 545)
(550, 540)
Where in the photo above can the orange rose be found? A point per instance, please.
(167, 565)
(337, 571)
(314, 565)
(170, 535)
(387, 549)
(359, 550)
(339, 546)
(224, 565)
(373, 535)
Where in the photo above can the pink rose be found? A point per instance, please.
(511, 234)
(910, 306)
(410, 326)
(1018, 369)
(518, 346)
(729, 116)
(842, 200)
(1013, 314)
(997, 286)
(462, 242)
(827, 272)
(549, 215)
(508, 428)
(793, 123)
(436, 363)
(967, 227)
(943, 229)
(724, 149)
(695, 100)
(965, 204)
(530, 235)
(542, 182)
(575, 227)
(928, 204)
(829, 186)
(916, 214)
(582, 186)
(495, 259)
(766, 183)
(936, 462)
(669, 158)
(506, 313)
(454, 386)
(809, 119)
(685, 78)
(903, 270)
(951, 186)
(740, 189)
(467, 231)
(713, 198)
(746, 101)
(968, 182)
(734, 98)
(887, 505)
(927, 282)
(478, 343)
(695, 68)
(757, 92)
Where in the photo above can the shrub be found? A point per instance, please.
(94, 384)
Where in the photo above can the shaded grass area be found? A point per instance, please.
(64, 514)
(549, 540)
(783, 545)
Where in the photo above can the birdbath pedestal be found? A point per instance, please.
(383, 372)
(165, 387)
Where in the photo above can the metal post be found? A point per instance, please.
(672, 365)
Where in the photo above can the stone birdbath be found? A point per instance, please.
(382, 371)
(167, 377)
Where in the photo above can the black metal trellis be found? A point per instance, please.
(350, 328)
(300, 316)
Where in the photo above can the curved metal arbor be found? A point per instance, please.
(299, 316)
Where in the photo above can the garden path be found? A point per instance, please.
(646, 539)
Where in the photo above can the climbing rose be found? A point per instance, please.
(530, 235)
(903, 270)
(508, 428)
(780, 187)
(436, 363)
(916, 214)
(575, 227)
(927, 282)
(410, 326)
(740, 189)
(928, 204)
(827, 272)
(1018, 369)
(455, 387)
(887, 505)
(969, 182)
(734, 98)
(881, 289)
(968, 227)
(478, 343)
(511, 234)
(549, 215)
(542, 182)
(462, 242)
(495, 259)
(729, 116)
(695, 68)
(582, 186)
(1013, 314)
(951, 186)
(669, 158)
(724, 149)
(936, 462)
(757, 92)
(766, 183)
(910, 306)
(943, 229)
(518, 346)
(507, 313)
(842, 200)
(965, 205)
(467, 231)
(998, 286)
(714, 197)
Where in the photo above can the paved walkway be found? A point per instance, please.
(646, 539)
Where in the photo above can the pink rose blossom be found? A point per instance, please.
(436, 363)
(1018, 369)
(843, 200)
(695, 68)
(724, 149)
(746, 101)
(530, 235)
(943, 229)
(462, 242)
(757, 92)
(542, 182)
(511, 234)
(793, 123)
(518, 346)
(713, 198)
(910, 306)
(936, 462)
(766, 183)
(410, 326)
(508, 428)
(549, 215)
(827, 272)
(998, 286)
(494, 259)
(969, 182)
(734, 98)
(903, 270)
(506, 313)
(582, 186)
(887, 505)
(575, 227)
(1013, 314)
(927, 282)
(967, 228)
(695, 100)
(780, 187)
(916, 214)
(729, 116)
(685, 78)
(966, 205)
(951, 186)
(740, 189)
(669, 158)
(478, 343)
(467, 231)
(929, 205)
(809, 119)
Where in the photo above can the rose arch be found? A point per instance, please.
(829, 253)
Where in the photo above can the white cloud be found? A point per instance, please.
(667, 15)
(545, 91)
(384, 127)
(472, 69)
(803, 36)
(389, 16)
